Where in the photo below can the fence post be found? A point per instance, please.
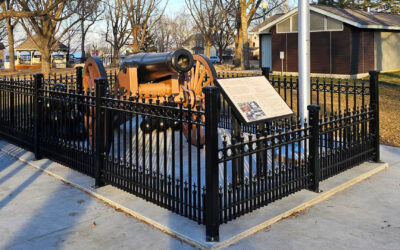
(374, 103)
(265, 72)
(37, 111)
(313, 111)
(212, 196)
(79, 79)
(100, 131)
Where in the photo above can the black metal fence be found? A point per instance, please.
(153, 148)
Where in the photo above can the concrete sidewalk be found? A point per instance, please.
(364, 216)
(38, 211)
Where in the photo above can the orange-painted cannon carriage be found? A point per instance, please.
(178, 75)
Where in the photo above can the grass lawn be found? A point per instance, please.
(389, 106)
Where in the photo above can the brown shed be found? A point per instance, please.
(343, 41)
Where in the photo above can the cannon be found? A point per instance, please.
(178, 75)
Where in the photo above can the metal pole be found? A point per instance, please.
(304, 58)
(212, 196)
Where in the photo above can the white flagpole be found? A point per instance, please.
(304, 57)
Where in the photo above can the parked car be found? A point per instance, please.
(215, 59)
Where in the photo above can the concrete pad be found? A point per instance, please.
(38, 211)
(364, 216)
(189, 231)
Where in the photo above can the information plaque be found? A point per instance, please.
(254, 99)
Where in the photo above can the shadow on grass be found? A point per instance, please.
(389, 84)
(393, 75)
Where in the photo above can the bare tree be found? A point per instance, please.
(247, 10)
(11, 23)
(3, 30)
(70, 39)
(46, 30)
(90, 11)
(223, 40)
(22, 13)
(171, 32)
(208, 19)
(182, 27)
(231, 13)
(118, 29)
(143, 16)
(238, 15)
(163, 34)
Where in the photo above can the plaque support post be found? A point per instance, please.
(236, 137)
(212, 178)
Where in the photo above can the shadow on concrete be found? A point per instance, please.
(21, 187)
(53, 215)
(12, 172)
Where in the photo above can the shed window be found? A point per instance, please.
(295, 24)
(317, 22)
(333, 24)
(283, 27)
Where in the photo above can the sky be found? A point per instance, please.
(175, 5)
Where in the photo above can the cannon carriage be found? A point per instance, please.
(176, 76)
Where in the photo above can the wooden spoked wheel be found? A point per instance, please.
(93, 69)
(201, 75)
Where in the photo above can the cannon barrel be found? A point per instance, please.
(155, 66)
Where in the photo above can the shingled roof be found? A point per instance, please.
(363, 17)
(28, 44)
(358, 18)
(2, 46)
(268, 20)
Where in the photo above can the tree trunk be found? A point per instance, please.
(245, 64)
(221, 52)
(208, 48)
(114, 62)
(83, 37)
(46, 57)
(10, 33)
(238, 49)
(135, 46)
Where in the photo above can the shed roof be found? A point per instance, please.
(363, 17)
(28, 44)
(268, 20)
(358, 18)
